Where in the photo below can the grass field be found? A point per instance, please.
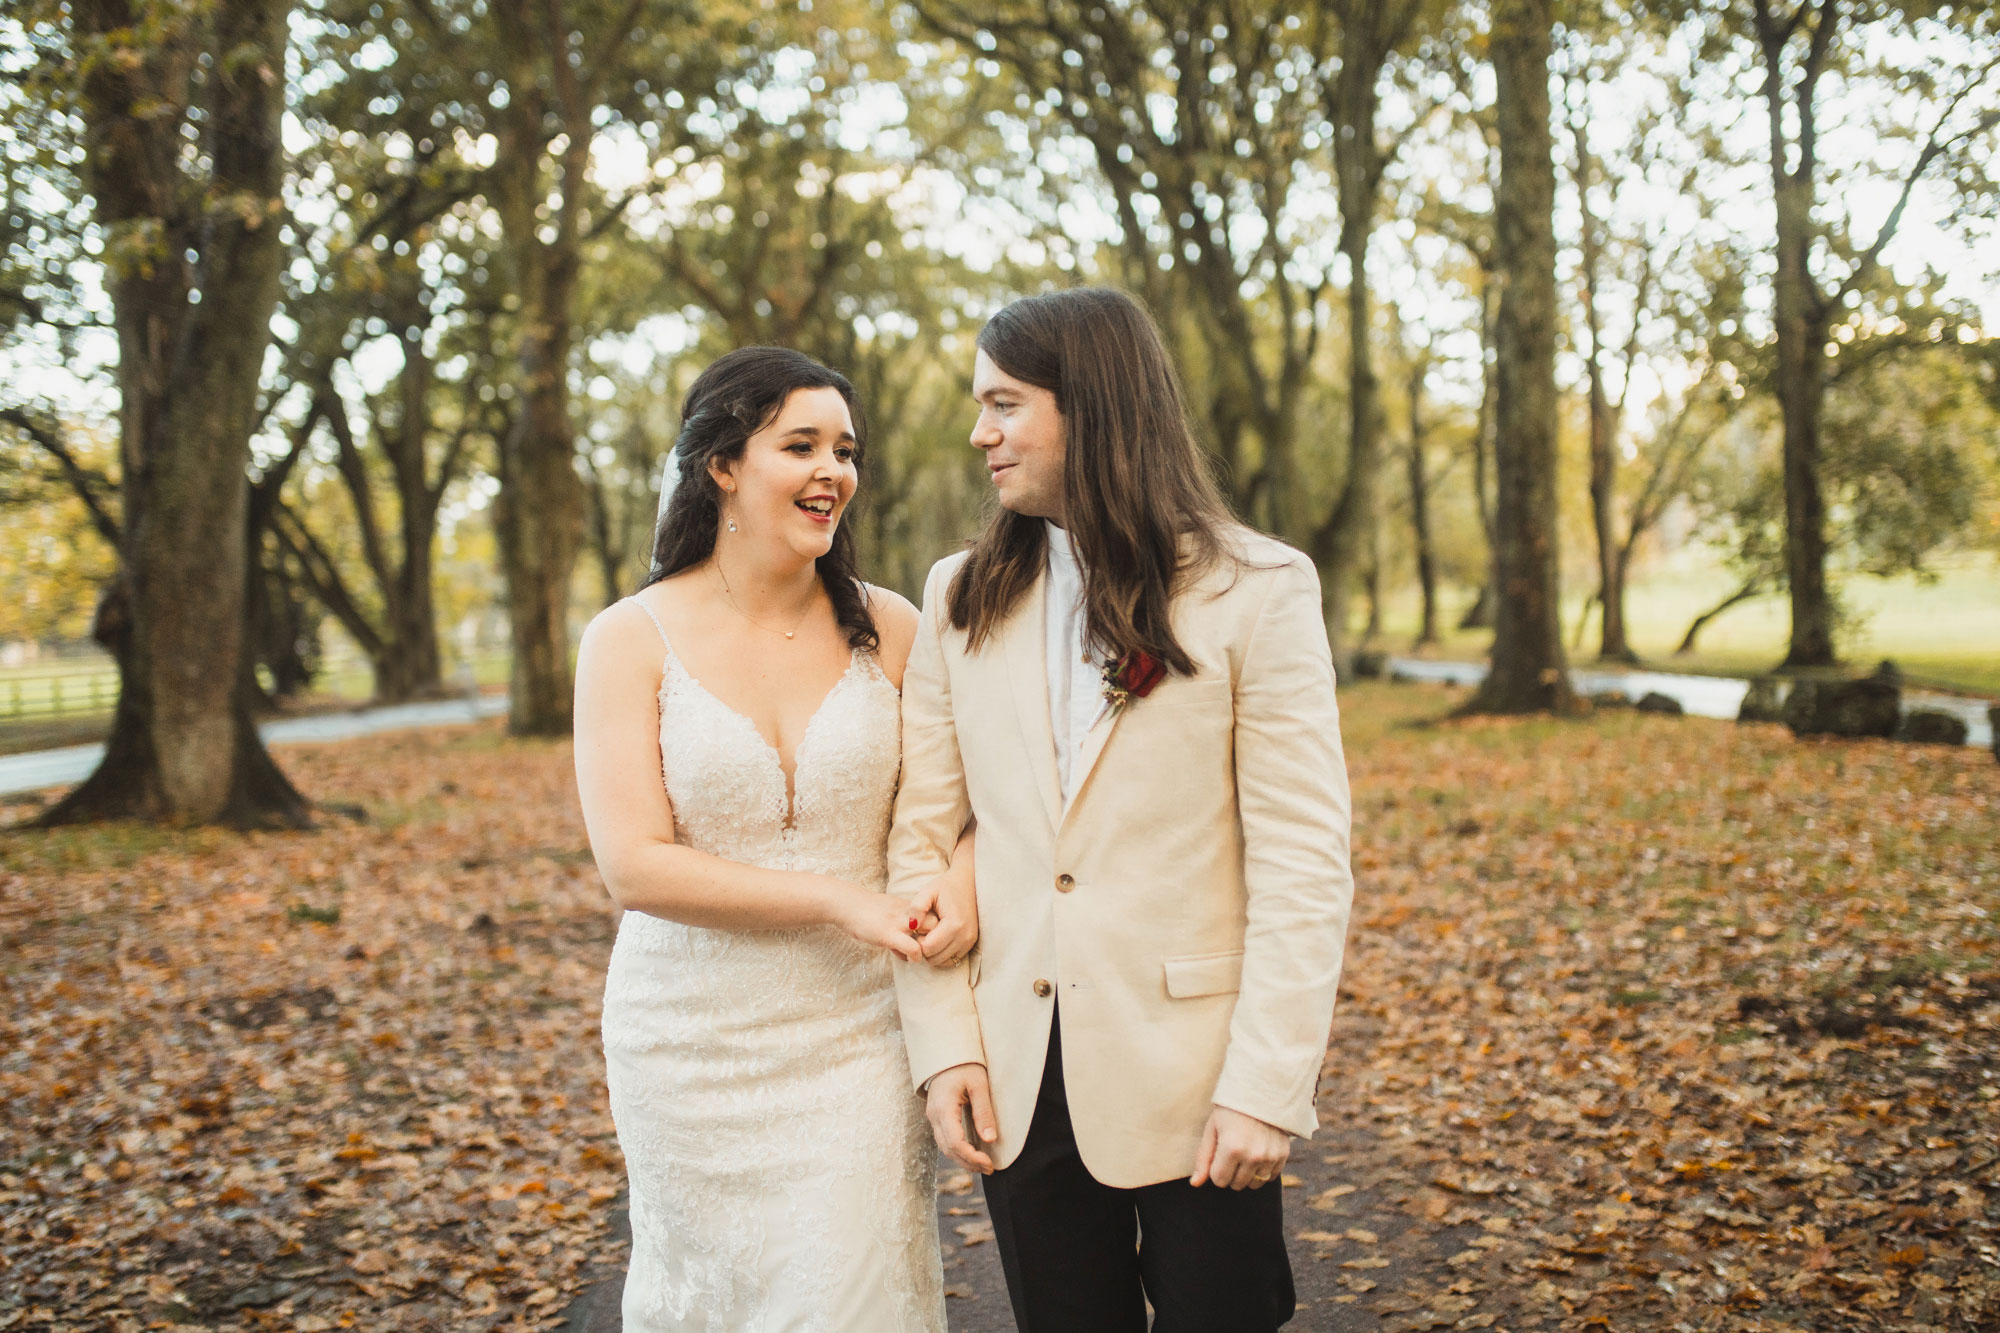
(1946, 632)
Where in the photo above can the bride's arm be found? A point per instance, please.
(631, 820)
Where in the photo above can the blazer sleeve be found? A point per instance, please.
(940, 1021)
(1292, 799)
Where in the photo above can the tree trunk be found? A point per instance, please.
(411, 667)
(539, 520)
(411, 606)
(603, 540)
(1420, 510)
(184, 744)
(1346, 536)
(1529, 673)
(1801, 375)
(1480, 614)
(539, 513)
(1373, 581)
(1349, 531)
(1612, 645)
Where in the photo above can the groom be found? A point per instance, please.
(1131, 694)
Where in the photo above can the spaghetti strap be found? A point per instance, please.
(656, 622)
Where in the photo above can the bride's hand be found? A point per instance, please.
(877, 918)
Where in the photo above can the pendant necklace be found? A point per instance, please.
(788, 633)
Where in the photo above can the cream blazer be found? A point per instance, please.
(1188, 909)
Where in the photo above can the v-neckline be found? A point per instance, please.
(791, 776)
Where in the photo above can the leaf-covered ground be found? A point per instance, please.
(1649, 1023)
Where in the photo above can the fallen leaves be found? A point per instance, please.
(287, 1081)
(1647, 1023)
(1697, 1025)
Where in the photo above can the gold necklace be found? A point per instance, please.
(788, 633)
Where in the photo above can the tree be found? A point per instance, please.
(1797, 46)
(1908, 462)
(1676, 291)
(1528, 671)
(1420, 482)
(193, 248)
(401, 461)
(1370, 32)
(832, 265)
(528, 89)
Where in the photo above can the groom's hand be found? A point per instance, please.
(957, 1091)
(1239, 1152)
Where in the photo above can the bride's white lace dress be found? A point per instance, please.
(780, 1166)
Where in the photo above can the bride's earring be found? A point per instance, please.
(729, 522)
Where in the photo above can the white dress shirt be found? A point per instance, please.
(1076, 677)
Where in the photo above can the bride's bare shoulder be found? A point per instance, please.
(628, 635)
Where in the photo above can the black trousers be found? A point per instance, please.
(1082, 1257)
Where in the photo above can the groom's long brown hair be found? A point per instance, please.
(1140, 503)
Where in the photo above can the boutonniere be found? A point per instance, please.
(1132, 676)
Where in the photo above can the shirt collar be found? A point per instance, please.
(1061, 551)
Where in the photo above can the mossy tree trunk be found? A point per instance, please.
(193, 281)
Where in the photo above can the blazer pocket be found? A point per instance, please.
(1204, 974)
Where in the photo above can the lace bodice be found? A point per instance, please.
(729, 790)
(779, 1164)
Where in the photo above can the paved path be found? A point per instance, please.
(1703, 696)
(1346, 1159)
(71, 764)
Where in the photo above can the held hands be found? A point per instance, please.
(1237, 1151)
(877, 918)
(960, 1091)
(948, 919)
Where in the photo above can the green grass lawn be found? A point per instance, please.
(1946, 632)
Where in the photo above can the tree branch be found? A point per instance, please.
(1934, 148)
(86, 482)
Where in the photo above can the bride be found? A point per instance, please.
(781, 1171)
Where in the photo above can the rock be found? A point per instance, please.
(1655, 702)
(1993, 720)
(1869, 707)
(1931, 726)
(1764, 701)
(1370, 665)
(1611, 699)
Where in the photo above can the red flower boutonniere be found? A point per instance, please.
(1132, 676)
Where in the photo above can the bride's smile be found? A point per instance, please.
(788, 491)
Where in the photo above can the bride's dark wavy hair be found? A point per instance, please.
(740, 394)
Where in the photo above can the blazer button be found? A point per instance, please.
(1064, 883)
(1042, 988)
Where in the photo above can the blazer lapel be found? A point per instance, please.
(1094, 742)
(1028, 673)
